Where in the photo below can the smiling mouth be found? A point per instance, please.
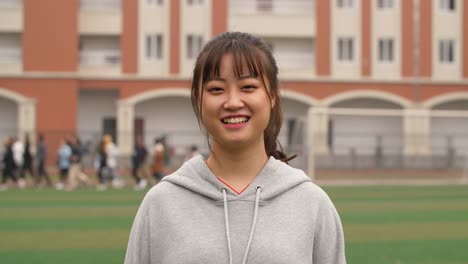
(235, 120)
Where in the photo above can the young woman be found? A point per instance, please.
(243, 204)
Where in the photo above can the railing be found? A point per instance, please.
(91, 57)
(291, 7)
(11, 3)
(10, 56)
(369, 157)
(101, 4)
(295, 60)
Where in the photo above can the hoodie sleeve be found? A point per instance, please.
(329, 246)
(138, 249)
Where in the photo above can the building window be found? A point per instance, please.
(194, 45)
(155, 2)
(345, 49)
(195, 2)
(447, 5)
(446, 51)
(386, 50)
(345, 3)
(385, 4)
(265, 5)
(154, 47)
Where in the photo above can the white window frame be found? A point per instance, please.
(385, 4)
(194, 44)
(346, 52)
(154, 46)
(342, 4)
(385, 50)
(446, 51)
(447, 5)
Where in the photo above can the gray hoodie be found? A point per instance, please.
(191, 217)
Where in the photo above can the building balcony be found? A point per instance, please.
(103, 5)
(293, 18)
(100, 17)
(99, 62)
(296, 65)
(100, 58)
(291, 61)
(11, 15)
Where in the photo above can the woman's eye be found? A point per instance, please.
(248, 87)
(215, 90)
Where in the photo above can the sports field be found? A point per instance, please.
(382, 224)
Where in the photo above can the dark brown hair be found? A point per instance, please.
(250, 54)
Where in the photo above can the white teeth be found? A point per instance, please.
(235, 120)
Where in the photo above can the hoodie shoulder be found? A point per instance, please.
(195, 176)
(278, 177)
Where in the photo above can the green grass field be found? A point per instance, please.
(382, 224)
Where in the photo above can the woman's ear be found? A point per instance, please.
(272, 101)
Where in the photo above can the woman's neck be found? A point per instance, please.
(237, 167)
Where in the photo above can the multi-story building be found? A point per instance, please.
(387, 78)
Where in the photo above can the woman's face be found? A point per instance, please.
(235, 110)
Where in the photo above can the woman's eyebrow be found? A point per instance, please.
(219, 79)
(243, 77)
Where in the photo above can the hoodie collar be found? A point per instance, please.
(275, 178)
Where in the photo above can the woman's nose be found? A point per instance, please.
(233, 101)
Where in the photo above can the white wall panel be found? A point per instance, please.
(447, 25)
(171, 116)
(361, 132)
(93, 107)
(386, 23)
(195, 19)
(153, 19)
(449, 132)
(346, 22)
(8, 119)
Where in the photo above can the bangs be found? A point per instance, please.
(246, 58)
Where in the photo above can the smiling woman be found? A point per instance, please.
(244, 203)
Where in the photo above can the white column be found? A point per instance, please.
(310, 144)
(318, 120)
(27, 118)
(416, 132)
(125, 117)
(317, 132)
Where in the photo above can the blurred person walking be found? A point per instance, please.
(157, 166)
(138, 164)
(168, 151)
(192, 152)
(41, 157)
(100, 163)
(9, 165)
(27, 160)
(63, 162)
(108, 164)
(18, 150)
(76, 174)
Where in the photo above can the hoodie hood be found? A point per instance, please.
(275, 178)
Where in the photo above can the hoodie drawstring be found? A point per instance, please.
(252, 229)
(226, 221)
